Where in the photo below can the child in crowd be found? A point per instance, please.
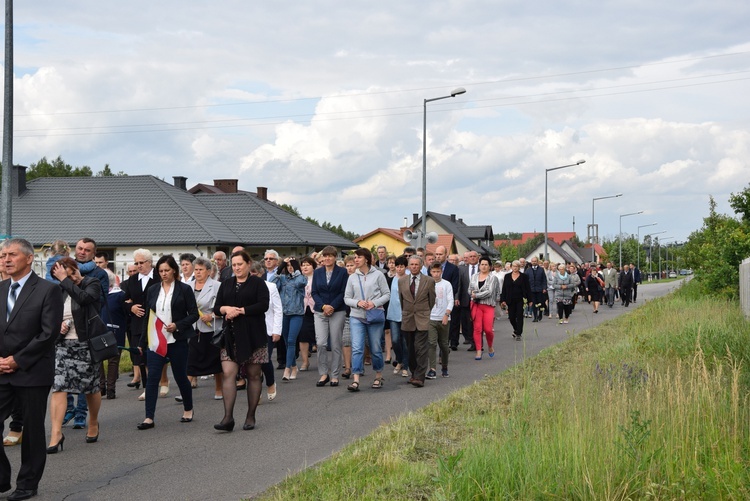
(440, 319)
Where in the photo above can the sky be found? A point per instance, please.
(322, 102)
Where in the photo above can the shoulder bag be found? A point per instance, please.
(374, 315)
(102, 341)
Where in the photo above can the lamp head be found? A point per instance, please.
(457, 91)
(580, 162)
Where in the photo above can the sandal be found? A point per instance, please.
(378, 383)
(354, 386)
(346, 374)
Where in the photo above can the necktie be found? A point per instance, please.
(472, 271)
(12, 298)
(413, 287)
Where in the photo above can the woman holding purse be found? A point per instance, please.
(75, 371)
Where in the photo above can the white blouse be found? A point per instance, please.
(164, 310)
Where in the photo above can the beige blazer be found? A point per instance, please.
(415, 312)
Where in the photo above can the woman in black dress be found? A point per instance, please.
(595, 286)
(306, 337)
(516, 288)
(242, 300)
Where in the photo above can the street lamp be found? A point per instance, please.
(650, 257)
(639, 241)
(546, 171)
(423, 231)
(660, 241)
(619, 235)
(593, 238)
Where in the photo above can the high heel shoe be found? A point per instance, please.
(134, 384)
(323, 381)
(91, 440)
(184, 419)
(248, 426)
(228, 426)
(53, 448)
(164, 390)
(293, 375)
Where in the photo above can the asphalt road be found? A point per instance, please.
(304, 425)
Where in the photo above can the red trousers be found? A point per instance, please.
(483, 316)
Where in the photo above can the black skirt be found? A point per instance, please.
(203, 356)
(307, 331)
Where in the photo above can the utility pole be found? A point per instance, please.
(7, 191)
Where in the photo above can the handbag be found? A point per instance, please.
(102, 345)
(375, 315)
(219, 338)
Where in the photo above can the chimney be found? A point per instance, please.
(262, 193)
(180, 182)
(415, 217)
(453, 218)
(226, 185)
(18, 180)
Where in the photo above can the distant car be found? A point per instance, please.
(672, 274)
(686, 272)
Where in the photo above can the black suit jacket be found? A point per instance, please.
(463, 286)
(31, 331)
(450, 273)
(184, 310)
(626, 279)
(138, 296)
(225, 274)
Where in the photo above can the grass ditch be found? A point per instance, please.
(652, 404)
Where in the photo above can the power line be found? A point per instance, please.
(374, 112)
(372, 93)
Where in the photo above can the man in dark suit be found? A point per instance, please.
(417, 294)
(30, 320)
(465, 272)
(450, 274)
(636, 280)
(135, 298)
(626, 284)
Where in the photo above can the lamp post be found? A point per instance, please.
(663, 239)
(619, 235)
(650, 258)
(639, 241)
(423, 231)
(547, 171)
(593, 238)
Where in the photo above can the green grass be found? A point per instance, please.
(650, 405)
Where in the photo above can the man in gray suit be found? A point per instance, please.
(31, 311)
(610, 284)
(417, 294)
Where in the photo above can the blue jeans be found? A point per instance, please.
(371, 332)
(289, 331)
(399, 345)
(177, 353)
(81, 409)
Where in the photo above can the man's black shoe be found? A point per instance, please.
(454, 348)
(20, 494)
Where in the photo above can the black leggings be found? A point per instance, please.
(563, 309)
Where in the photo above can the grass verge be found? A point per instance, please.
(650, 405)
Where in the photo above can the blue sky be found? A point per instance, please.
(321, 102)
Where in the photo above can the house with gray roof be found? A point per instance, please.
(467, 238)
(125, 213)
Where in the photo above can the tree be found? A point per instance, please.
(740, 202)
(107, 172)
(717, 249)
(291, 208)
(56, 168)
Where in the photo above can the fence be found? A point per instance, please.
(745, 287)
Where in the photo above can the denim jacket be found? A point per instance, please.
(292, 292)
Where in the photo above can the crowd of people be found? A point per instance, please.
(222, 318)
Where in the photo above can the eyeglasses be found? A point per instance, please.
(138, 263)
(270, 259)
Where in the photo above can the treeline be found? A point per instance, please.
(337, 229)
(59, 168)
